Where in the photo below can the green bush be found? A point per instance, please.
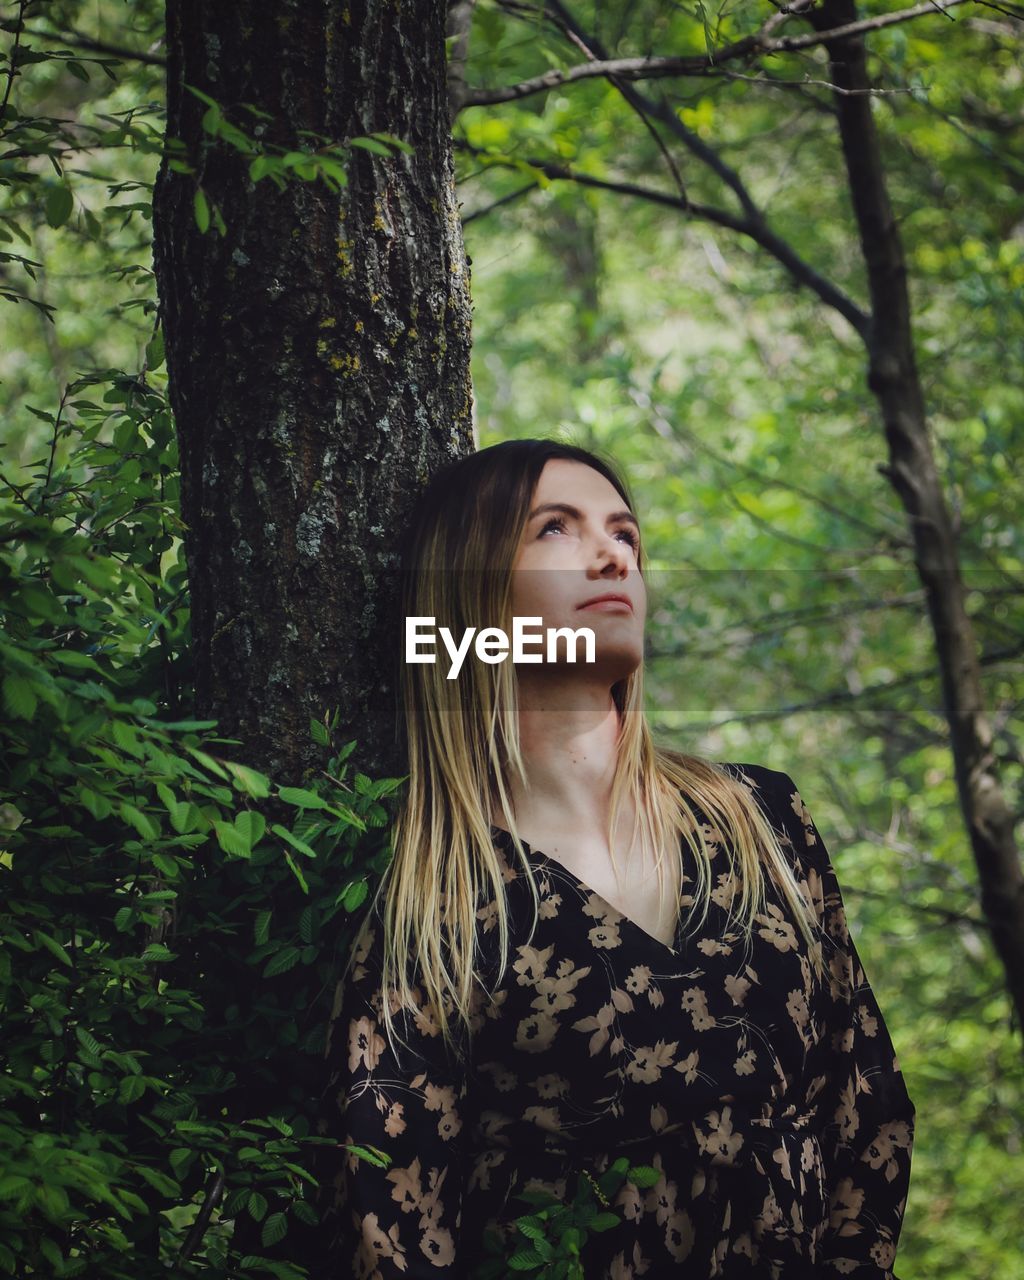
(173, 919)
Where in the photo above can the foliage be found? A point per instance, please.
(555, 1234)
(150, 881)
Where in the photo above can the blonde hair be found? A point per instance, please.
(462, 738)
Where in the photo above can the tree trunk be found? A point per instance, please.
(893, 378)
(318, 355)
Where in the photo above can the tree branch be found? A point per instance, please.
(801, 271)
(76, 40)
(835, 698)
(757, 45)
(496, 204)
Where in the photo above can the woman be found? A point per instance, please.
(595, 946)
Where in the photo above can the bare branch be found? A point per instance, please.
(496, 204)
(761, 43)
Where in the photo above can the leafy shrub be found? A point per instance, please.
(173, 919)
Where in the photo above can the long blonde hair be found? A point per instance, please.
(462, 739)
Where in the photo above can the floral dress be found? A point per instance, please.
(769, 1101)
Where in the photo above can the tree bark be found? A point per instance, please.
(894, 380)
(318, 357)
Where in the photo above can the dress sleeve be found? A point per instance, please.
(867, 1115)
(402, 1220)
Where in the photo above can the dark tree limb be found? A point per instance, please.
(894, 380)
(801, 270)
(78, 40)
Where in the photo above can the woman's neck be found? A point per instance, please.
(569, 754)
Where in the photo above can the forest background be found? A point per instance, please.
(788, 624)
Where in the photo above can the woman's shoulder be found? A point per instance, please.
(777, 794)
(781, 800)
(772, 786)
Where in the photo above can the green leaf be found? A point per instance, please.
(35, 600)
(249, 780)
(260, 167)
(298, 874)
(293, 840)
(604, 1221)
(156, 952)
(142, 823)
(302, 798)
(158, 1181)
(214, 766)
(155, 350)
(72, 658)
(231, 839)
(202, 210)
(211, 120)
(392, 141)
(371, 144)
(50, 1251)
(131, 1089)
(52, 945)
(281, 961)
(203, 97)
(185, 817)
(371, 1154)
(88, 1041)
(59, 204)
(20, 697)
(274, 1229)
(643, 1175)
(168, 865)
(354, 894)
(302, 1209)
(524, 1260)
(257, 1205)
(251, 826)
(261, 929)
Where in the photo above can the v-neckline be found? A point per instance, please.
(539, 855)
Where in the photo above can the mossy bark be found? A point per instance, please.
(318, 354)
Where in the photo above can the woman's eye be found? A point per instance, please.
(555, 523)
(558, 523)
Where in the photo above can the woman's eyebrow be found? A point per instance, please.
(575, 512)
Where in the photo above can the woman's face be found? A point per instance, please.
(568, 556)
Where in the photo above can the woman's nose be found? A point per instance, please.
(615, 551)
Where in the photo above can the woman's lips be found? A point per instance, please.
(609, 605)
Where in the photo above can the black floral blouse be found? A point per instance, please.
(770, 1103)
